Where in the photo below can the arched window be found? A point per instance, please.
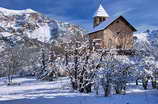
(118, 46)
(117, 21)
(100, 19)
(109, 43)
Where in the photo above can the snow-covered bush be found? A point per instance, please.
(115, 71)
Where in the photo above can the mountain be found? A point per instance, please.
(19, 24)
(24, 32)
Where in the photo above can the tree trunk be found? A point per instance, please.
(74, 85)
(107, 90)
(154, 84)
(96, 87)
(137, 81)
(85, 87)
(145, 83)
(88, 88)
(120, 88)
(9, 76)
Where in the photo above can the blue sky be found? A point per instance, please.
(141, 13)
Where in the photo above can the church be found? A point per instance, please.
(111, 33)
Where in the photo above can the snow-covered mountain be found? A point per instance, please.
(31, 24)
(26, 32)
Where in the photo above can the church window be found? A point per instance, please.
(118, 33)
(109, 43)
(118, 46)
(117, 21)
(100, 19)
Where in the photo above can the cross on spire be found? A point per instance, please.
(100, 1)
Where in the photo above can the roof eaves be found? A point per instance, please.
(95, 31)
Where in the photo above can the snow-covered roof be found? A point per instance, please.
(13, 12)
(102, 25)
(101, 12)
(106, 23)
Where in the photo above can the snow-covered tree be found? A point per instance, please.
(13, 59)
(145, 59)
(115, 71)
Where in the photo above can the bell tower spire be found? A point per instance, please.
(100, 15)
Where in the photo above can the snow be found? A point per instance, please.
(14, 12)
(32, 91)
(6, 34)
(35, 25)
(43, 33)
(1, 48)
(101, 12)
(142, 41)
(143, 37)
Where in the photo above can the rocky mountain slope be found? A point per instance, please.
(24, 32)
(21, 25)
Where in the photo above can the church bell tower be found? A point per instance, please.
(100, 16)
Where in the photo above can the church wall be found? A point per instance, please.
(96, 36)
(116, 35)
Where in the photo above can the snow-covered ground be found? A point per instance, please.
(31, 91)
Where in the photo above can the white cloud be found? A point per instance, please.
(144, 27)
(122, 12)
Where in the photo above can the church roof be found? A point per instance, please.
(108, 22)
(101, 12)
